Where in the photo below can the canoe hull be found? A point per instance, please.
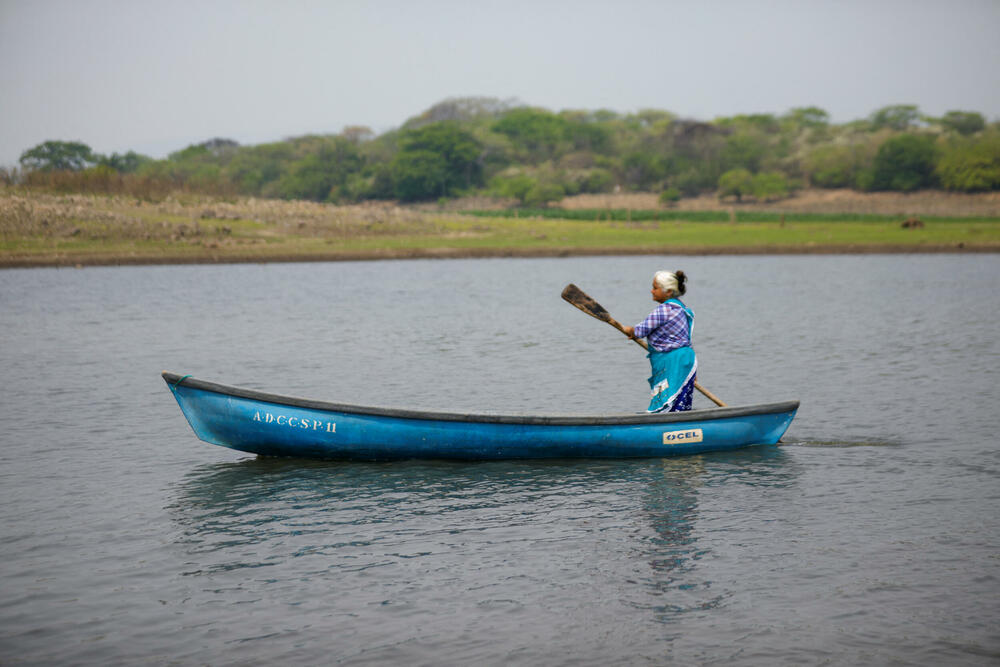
(272, 425)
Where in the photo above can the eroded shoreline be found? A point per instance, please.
(484, 253)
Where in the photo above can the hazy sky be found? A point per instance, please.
(156, 76)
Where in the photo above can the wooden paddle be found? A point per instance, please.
(577, 297)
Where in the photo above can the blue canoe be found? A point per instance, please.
(273, 425)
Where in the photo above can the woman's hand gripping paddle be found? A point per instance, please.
(577, 297)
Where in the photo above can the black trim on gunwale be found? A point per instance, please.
(402, 413)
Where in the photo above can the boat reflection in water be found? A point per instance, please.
(682, 512)
(473, 538)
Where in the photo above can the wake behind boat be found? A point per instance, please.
(274, 425)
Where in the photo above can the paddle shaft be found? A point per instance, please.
(577, 297)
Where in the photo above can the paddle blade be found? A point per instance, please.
(576, 296)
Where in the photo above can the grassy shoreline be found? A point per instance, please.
(45, 229)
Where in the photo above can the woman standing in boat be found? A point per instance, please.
(668, 332)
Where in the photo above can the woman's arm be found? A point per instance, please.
(652, 321)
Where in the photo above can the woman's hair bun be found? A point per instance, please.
(681, 281)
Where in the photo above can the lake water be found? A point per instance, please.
(871, 536)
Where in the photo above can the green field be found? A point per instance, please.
(47, 229)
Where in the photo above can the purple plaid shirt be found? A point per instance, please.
(666, 328)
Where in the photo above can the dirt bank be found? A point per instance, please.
(79, 261)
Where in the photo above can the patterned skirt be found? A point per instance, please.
(672, 382)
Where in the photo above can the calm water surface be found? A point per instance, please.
(869, 537)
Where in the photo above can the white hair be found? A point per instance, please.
(666, 280)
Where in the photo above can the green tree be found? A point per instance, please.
(58, 156)
(811, 117)
(199, 165)
(744, 149)
(597, 180)
(736, 183)
(419, 175)
(831, 166)
(641, 169)
(192, 152)
(604, 116)
(761, 122)
(206, 177)
(541, 194)
(456, 165)
(213, 149)
(897, 117)
(254, 169)
(694, 156)
(317, 175)
(537, 132)
(838, 165)
(125, 164)
(963, 122)
(461, 109)
(769, 185)
(515, 186)
(357, 134)
(669, 197)
(650, 118)
(971, 166)
(374, 181)
(692, 181)
(905, 162)
(589, 136)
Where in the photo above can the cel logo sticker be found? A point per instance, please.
(681, 437)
